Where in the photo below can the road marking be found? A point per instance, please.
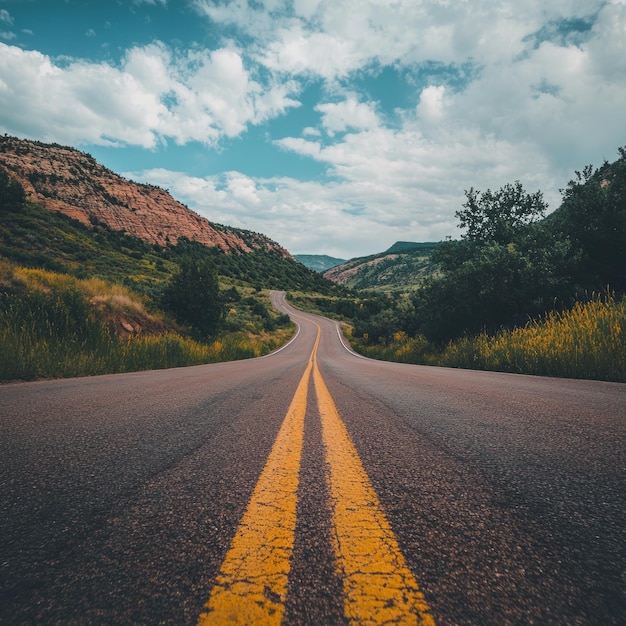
(251, 586)
(346, 345)
(378, 586)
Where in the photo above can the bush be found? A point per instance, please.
(193, 297)
(12, 196)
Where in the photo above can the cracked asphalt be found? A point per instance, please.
(121, 495)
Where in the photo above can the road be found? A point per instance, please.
(312, 486)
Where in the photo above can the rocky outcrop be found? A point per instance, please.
(72, 182)
(403, 267)
(341, 274)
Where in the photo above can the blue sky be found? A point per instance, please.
(333, 126)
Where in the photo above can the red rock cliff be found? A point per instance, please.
(74, 183)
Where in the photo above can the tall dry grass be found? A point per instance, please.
(588, 341)
(54, 326)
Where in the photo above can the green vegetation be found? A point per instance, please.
(34, 237)
(193, 296)
(404, 247)
(70, 293)
(56, 325)
(404, 266)
(11, 193)
(511, 294)
(318, 262)
(587, 341)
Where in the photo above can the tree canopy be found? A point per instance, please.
(193, 296)
(500, 216)
(12, 194)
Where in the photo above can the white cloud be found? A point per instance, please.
(309, 131)
(539, 108)
(304, 216)
(340, 116)
(306, 8)
(200, 95)
(544, 96)
(387, 185)
(535, 117)
(332, 39)
(243, 189)
(5, 17)
(431, 104)
(297, 52)
(301, 146)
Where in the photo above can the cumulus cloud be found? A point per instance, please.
(540, 106)
(155, 93)
(431, 105)
(385, 185)
(490, 93)
(331, 39)
(349, 114)
(304, 216)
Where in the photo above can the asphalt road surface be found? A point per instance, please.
(312, 486)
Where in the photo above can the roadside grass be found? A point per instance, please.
(587, 341)
(55, 325)
(402, 349)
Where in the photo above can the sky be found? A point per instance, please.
(332, 126)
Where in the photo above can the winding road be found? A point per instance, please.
(312, 486)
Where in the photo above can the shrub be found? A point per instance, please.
(193, 297)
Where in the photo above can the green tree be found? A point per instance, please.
(193, 297)
(500, 216)
(593, 218)
(505, 268)
(12, 196)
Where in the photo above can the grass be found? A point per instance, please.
(57, 325)
(54, 325)
(588, 341)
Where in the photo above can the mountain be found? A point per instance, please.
(318, 262)
(71, 182)
(405, 247)
(81, 219)
(404, 265)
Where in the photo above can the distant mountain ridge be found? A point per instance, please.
(404, 265)
(318, 262)
(65, 180)
(406, 247)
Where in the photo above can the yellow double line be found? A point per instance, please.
(251, 586)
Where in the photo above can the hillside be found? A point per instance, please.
(37, 238)
(81, 219)
(404, 265)
(73, 183)
(80, 299)
(318, 262)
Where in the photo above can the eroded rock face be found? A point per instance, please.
(74, 183)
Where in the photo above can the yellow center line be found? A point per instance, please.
(251, 585)
(378, 586)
